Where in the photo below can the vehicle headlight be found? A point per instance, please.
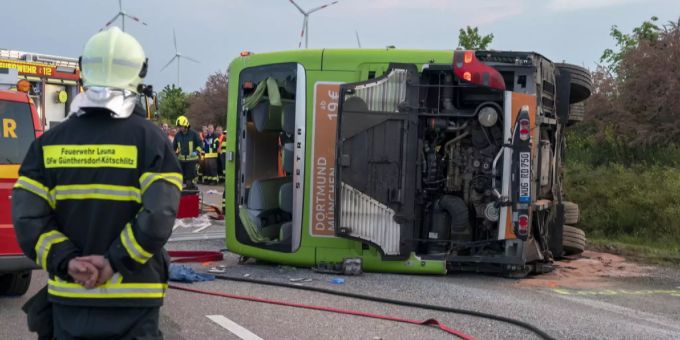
(488, 116)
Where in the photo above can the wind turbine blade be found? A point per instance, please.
(168, 64)
(321, 7)
(174, 39)
(190, 59)
(112, 20)
(298, 7)
(358, 41)
(136, 19)
(302, 31)
(120, 5)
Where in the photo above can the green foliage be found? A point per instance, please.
(626, 193)
(172, 102)
(648, 31)
(639, 202)
(469, 39)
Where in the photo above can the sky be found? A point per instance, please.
(214, 32)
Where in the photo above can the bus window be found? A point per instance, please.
(266, 124)
(17, 131)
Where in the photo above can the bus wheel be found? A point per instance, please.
(571, 213)
(573, 240)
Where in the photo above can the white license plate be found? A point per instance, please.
(525, 177)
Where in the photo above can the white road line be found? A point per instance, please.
(233, 327)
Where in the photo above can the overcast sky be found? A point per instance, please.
(215, 31)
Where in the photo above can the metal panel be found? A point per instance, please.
(365, 218)
(299, 154)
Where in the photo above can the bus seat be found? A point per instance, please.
(262, 216)
(288, 118)
(286, 204)
(288, 155)
(266, 117)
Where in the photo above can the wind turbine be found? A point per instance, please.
(358, 41)
(305, 26)
(122, 14)
(178, 56)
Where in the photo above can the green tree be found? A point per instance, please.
(469, 39)
(173, 102)
(648, 31)
(209, 105)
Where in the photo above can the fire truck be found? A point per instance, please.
(53, 79)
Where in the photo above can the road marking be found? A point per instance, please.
(233, 327)
(671, 292)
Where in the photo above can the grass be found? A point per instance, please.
(646, 253)
(629, 198)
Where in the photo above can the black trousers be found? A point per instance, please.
(71, 323)
(188, 171)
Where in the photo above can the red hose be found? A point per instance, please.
(428, 322)
(183, 256)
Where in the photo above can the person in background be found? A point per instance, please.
(187, 145)
(210, 175)
(171, 134)
(165, 128)
(221, 151)
(98, 224)
(200, 166)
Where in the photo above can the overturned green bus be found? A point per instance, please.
(408, 161)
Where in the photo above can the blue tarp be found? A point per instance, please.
(182, 273)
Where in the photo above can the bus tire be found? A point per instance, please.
(571, 213)
(576, 113)
(573, 240)
(581, 82)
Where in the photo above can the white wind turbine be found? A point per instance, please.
(122, 15)
(178, 56)
(305, 26)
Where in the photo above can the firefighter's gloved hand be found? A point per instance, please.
(83, 272)
(102, 264)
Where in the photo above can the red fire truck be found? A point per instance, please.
(53, 80)
(19, 126)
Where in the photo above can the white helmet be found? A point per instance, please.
(113, 59)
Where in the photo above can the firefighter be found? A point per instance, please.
(210, 142)
(96, 201)
(221, 151)
(187, 145)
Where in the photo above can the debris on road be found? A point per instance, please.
(337, 281)
(182, 273)
(590, 270)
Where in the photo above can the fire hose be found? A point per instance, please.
(208, 256)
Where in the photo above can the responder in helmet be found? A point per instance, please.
(187, 145)
(95, 204)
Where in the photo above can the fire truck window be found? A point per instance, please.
(17, 132)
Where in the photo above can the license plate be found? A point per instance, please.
(525, 177)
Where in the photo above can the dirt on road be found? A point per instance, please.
(588, 271)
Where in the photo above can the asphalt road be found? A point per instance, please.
(580, 301)
(628, 308)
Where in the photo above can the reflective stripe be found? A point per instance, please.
(187, 158)
(211, 155)
(133, 248)
(147, 178)
(34, 187)
(96, 191)
(112, 289)
(44, 244)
